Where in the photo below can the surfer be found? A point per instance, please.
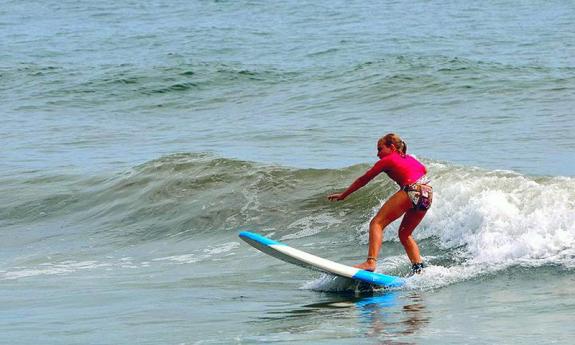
(412, 200)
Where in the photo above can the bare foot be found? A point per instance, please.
(367, 265)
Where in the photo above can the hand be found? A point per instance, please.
(336, 197)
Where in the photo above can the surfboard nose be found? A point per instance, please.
(244, 235)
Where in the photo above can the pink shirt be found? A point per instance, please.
(403, 170)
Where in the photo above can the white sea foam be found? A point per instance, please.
(310, 225)
(437, 276)
(70, 267)
(495, 219)
(502, 218)
(505, 219)
(432, 276)
(201, 255)
(51, 269)
(329, 283)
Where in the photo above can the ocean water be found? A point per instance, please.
(139, 137)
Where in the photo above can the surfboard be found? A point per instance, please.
(297, 257)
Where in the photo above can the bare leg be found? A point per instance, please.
(411, 219)
(393, 208)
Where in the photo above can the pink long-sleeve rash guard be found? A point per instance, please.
(403, 170)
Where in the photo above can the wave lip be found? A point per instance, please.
(503, 218)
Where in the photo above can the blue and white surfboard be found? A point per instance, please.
(303, 259)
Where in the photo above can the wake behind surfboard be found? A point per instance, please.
(297, 257)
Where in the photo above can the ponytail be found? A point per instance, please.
(402, 148)
(394, 140)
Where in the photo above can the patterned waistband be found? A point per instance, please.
(422, 180)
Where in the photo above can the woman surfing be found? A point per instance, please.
(412, 200)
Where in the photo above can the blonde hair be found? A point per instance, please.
(394, 140)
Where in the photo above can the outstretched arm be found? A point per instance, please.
(360, 182)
